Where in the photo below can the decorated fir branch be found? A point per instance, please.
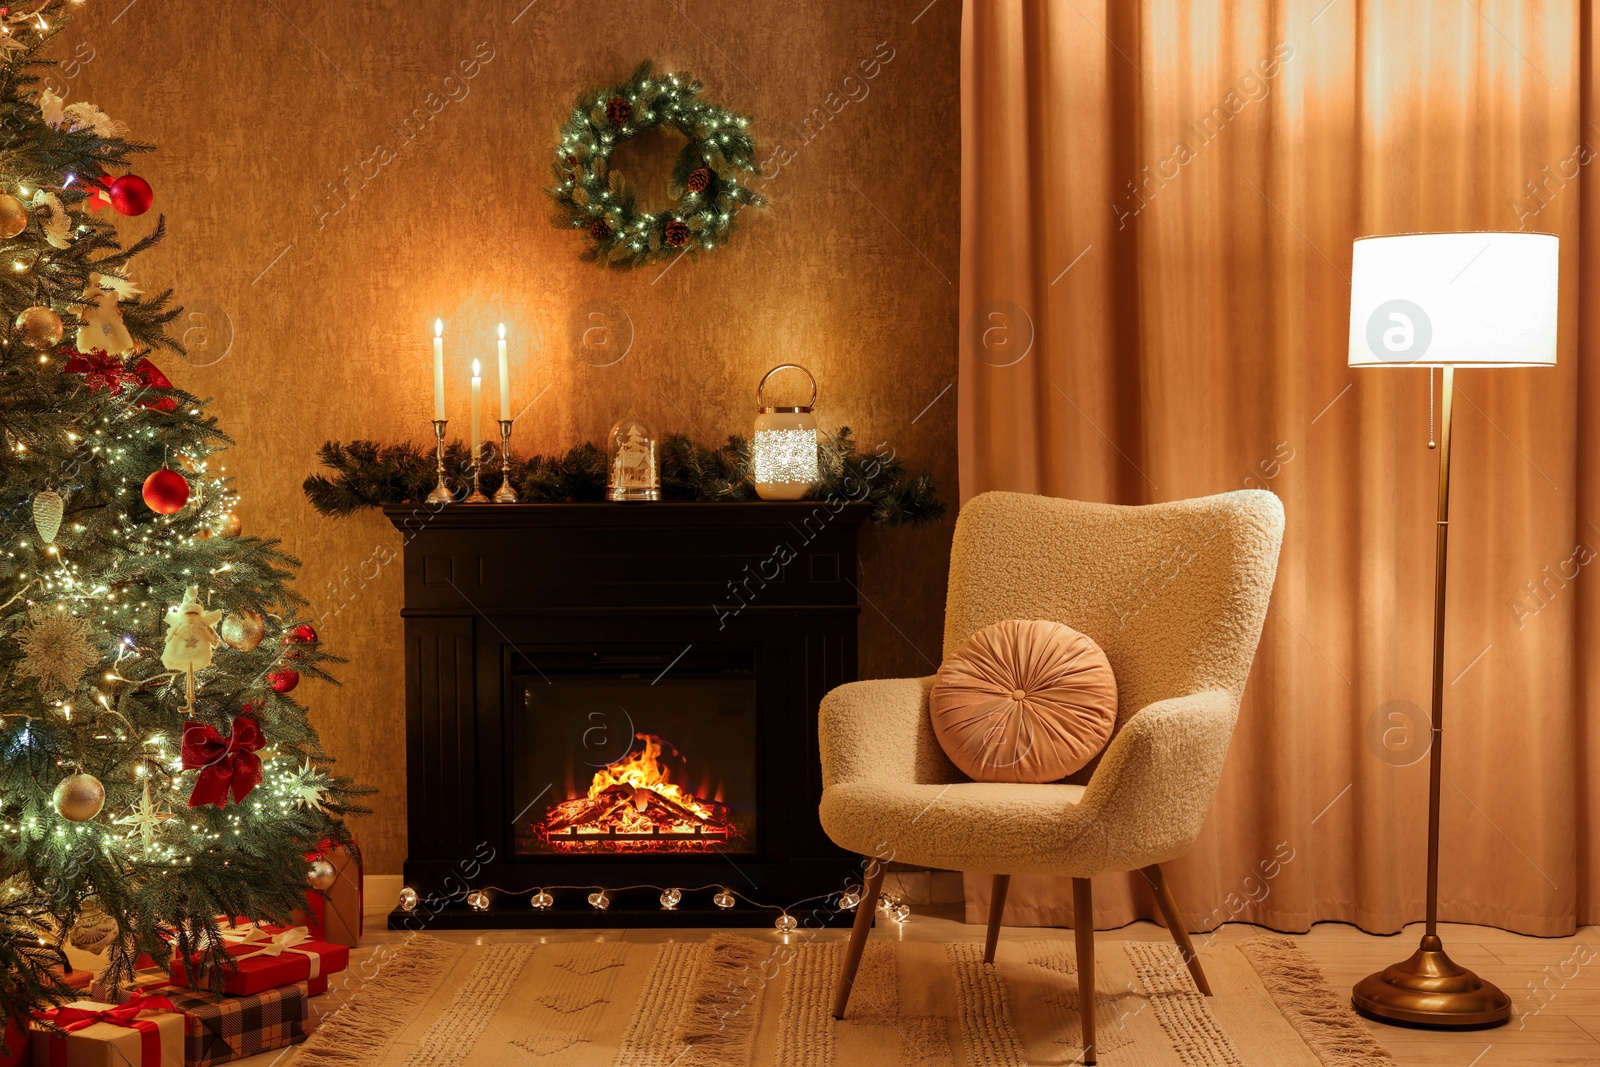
(705, 182)
(369, 475)
(114, 508)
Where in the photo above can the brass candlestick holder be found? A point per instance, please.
(441, 493)
(505, 494)
(476, 496)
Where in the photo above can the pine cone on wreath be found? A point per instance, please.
(600, 230)
(676, 233)
(699, 180)
(618, 111)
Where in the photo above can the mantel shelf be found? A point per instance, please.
(665, 513)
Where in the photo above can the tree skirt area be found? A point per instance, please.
(739, 1002)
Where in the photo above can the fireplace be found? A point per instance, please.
(635, 753)
(621, 697)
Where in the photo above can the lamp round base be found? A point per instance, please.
(1431, 990)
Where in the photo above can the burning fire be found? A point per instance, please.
(633, 803)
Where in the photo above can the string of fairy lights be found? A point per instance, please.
(599, 898)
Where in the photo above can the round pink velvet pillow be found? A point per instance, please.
(1024, 700)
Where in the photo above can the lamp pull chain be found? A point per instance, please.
(1432, 443)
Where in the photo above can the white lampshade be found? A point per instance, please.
(1454, 299)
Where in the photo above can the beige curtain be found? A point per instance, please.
(1158, 204)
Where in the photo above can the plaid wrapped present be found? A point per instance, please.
(221, 1029)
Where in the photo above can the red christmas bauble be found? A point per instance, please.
(304, 632)
(284, 680)
(131, 195)
(166, 491)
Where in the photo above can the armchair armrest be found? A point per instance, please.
(1148, 798)
(880, 731)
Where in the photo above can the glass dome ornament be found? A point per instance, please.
(723, 899)
(635, 468)
(599, 900)
(786, 923)
(670, 899)
(541, 901)
(408, 899)
(784, 445)
(848, 900)
(478, 900)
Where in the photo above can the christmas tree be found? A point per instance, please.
(156, 771)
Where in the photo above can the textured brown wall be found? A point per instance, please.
(258, 108)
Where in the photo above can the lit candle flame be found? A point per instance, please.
(438, 327)
(477, 371)
(502, 331)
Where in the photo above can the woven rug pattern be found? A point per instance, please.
(734, 1001)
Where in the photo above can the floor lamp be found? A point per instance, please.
(1446, 300)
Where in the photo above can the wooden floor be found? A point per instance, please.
(1554, 983)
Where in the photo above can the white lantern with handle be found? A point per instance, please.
(785, 443)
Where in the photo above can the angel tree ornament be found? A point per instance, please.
(191, 636)
(102, 325)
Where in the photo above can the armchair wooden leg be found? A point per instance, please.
(1083, 934)
(997, 907)
(858, 935)
(1180, 934)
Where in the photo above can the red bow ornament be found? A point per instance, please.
(225, 763)
(101, 370)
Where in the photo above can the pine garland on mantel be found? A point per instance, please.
(369, 475)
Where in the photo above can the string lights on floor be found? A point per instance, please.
(600, 898)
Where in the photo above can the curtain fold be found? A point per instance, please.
(1158, 204)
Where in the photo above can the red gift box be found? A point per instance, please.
(155, 979)
(268, 959)
(16, 1041)
(337, 915)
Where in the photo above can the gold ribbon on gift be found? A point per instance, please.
(268, 944)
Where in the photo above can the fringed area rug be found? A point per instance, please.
(739, 1002)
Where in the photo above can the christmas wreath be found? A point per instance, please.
(705, 179)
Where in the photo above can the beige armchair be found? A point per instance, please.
(1176, 595)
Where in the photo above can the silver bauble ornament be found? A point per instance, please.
(79, 797)
(321, 875)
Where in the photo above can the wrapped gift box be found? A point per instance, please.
(144, 1032)
(267, 959)
(220, 1029)
(14, 1047)
(337, 915)
(156, 980)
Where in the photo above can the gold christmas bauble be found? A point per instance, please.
(321, 875)
(39, 327)
(79, 797)
(13, 216)
(243, 630)
(94, 931)
(228, 524)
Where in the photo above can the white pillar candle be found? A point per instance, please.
(477, 408)
(505, 378)
(438, 369)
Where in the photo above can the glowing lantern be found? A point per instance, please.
(785, 444)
